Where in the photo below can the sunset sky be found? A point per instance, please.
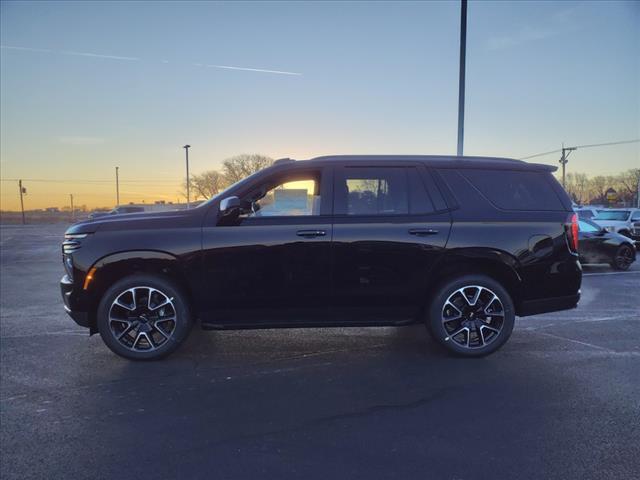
(87, 86)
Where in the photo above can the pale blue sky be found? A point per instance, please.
(373, 78)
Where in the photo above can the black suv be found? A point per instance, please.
(463, 244)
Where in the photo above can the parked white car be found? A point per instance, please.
(619, 220)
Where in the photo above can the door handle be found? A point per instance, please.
(311, 233)
(422, 232)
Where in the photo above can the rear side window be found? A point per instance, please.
(381, 191)
(515, 190)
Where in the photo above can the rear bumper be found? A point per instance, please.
(71, 302)
(545, 305)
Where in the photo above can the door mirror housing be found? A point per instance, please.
(230, 206)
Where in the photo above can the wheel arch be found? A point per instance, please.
(113, 267)
(496, 264)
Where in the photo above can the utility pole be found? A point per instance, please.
(461, 80)
(72, 212)
(564, 160)
(22, 191)
(117, 188)
(186, 151)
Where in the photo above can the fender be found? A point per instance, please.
(496, 263)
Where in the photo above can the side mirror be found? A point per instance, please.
(229, 206)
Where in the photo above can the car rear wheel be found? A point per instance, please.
(623, 258)
(471, 315)
(143, 317)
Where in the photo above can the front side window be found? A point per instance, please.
(294, 197)
(380, 191)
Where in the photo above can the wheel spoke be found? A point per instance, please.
(473, 302)
(491, 329)
(128, 328)
(451, 319)
(127, 307)
(458, 332)
(158, 329)
(480, 336)
(168, 301)
(149, 340)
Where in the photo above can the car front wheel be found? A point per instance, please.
(143, 317)
(471, 316)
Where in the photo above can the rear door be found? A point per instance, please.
(390, 226)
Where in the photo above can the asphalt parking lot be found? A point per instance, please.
(560, 400)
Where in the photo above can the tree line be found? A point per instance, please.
(207, 184)
(584, 189)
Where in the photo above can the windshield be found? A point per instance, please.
(621, 215)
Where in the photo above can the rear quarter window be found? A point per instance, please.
(515, 189)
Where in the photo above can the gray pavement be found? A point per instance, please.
(560, 400)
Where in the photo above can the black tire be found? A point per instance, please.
(623, 258)
(483, 336)
(161, 334)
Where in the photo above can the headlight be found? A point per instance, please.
(68, 265)
(610, 229)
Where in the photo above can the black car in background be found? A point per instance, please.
(599, 246)
(461, 244)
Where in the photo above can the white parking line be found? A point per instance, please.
(608, 273)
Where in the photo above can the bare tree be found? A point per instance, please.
(241, 166)
(577, 186)
(206, 184)
(628, 183)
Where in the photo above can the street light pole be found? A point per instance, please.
(186, 151)
(461, 80)
(564, 160)
(117, 188)
(72, 212)
(22, 191)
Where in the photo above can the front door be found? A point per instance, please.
(390, 226)
(272, 265)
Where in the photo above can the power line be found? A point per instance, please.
(581, 146)
(130, 182)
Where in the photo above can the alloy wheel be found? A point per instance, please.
(624, 257)
(473, 317)
(142, 318)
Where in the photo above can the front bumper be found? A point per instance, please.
(71, 303)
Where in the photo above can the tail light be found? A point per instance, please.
(572, 233)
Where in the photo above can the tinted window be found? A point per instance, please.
(381, 191)
(434, 193)
(515, 190)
